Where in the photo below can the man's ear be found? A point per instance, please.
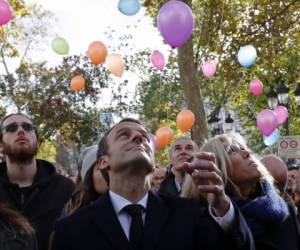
(103, 162)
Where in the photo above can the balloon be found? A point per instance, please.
(175, 22)
(77, 83)
(60, 46)
(271, 139)
(164, 136)
(158, 60)
(247, 56)
(129, 7)
(5, 12)
(115, 64)
(153, 140)
(256, 87)
(267, 121)
(282, 114)
(185, 120)
(97, 52)
(209, 69)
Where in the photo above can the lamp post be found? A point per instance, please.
(281, 97)
(213, 124)
(272, 98)
(229, 123)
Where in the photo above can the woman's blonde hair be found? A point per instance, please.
(220, 146)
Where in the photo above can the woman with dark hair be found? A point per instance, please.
(15, 231)
(94, 181)
(250, 186)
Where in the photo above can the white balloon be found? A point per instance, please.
(247, 56)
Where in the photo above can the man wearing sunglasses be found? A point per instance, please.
(29, 185)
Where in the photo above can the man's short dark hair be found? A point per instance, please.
(20, 114)
(102, 146)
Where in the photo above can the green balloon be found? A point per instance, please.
(60, 46)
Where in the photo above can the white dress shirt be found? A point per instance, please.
(120, 202)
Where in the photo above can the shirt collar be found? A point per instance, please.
(178, 186)
(120, 202)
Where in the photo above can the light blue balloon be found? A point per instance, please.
(272, 138)
(129, 7)
(247, 56)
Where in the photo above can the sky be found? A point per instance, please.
(82, 22)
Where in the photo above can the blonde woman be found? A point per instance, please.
(250, 186)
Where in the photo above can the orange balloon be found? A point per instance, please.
(164, 136)
(77, 83)
(185, 120)
(115, 64)
(97, 52)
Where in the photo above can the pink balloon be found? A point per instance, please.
(5, 12)
(282, 114)
(256, 87)
(267, 121)
(209, 69)
(158, 60)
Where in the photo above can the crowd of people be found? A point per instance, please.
(219, 196)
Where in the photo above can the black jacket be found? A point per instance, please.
(12, 239)
(42, 202)
(168, 186)
(170, 223)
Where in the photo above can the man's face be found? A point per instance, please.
(19, 139)
(181, 151)
(158, 177)
(129, 149)
(292, 175)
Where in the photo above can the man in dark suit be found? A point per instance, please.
(157, 222)
(180, 151)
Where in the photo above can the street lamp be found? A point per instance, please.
(282, 97)
(213, 124)
(229, 123)
(272, 98)
(283, 93)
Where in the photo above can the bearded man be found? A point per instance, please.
(28, 185)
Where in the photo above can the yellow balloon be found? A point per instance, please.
(115, 64)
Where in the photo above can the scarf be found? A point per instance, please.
(265, 210)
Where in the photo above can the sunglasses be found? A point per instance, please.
(13, 127)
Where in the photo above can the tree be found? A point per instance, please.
(221, 27)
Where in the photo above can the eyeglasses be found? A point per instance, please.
(235, 149)
(13, 127)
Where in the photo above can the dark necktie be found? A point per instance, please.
(136, 226)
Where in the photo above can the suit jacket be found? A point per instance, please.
(170, 223)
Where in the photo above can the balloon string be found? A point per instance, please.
(222, 13)
(159, 94)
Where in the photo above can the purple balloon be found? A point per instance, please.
(153, 141)
(175, 22)
(267, 121)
